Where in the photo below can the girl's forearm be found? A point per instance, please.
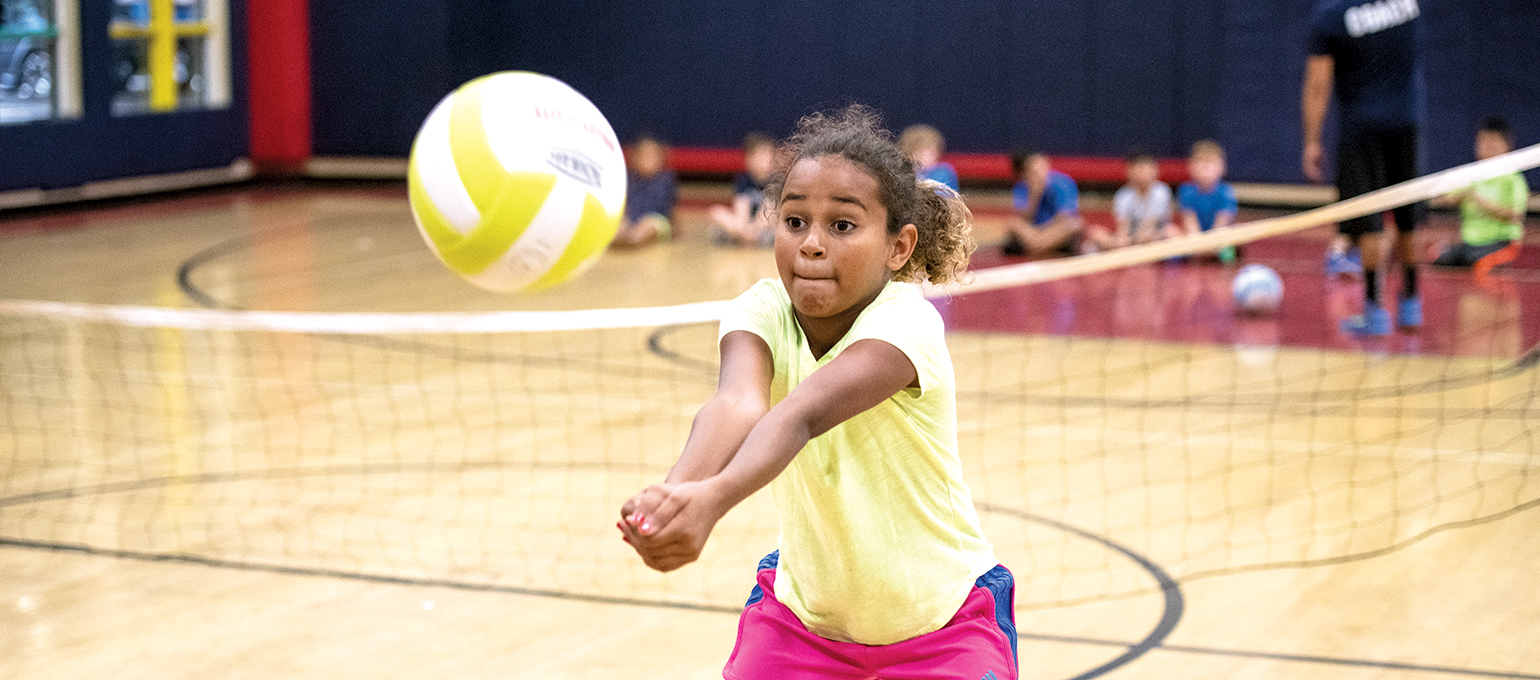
(720, 428)
(768, 449)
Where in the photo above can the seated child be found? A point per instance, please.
(1491, 211)
(742, 223)
(924, 145)
(1047, 208)
(1141, 209)
(650, 195)
(1206, 202)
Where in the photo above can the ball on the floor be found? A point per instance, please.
(516, 181)
(1257, 289)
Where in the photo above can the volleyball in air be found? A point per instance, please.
(516, 181)
(1257, 289)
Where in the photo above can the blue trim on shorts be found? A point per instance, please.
(998, 581)
(768, 562)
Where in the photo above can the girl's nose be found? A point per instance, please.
(811, 247)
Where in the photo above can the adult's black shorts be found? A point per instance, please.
(1370, 160)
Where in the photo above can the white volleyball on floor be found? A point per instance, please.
(517, 181)
(1257, 289)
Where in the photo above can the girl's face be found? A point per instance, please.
(832, 246)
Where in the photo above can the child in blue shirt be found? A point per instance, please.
(1047, 208)
(924, 145)
(1206, 202)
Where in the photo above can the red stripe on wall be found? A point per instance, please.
(992, 167)
(278, 33)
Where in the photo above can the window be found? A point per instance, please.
(39, 48)
(169, 55)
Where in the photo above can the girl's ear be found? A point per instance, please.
(901, 246)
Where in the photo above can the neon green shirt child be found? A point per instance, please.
(1478, 226)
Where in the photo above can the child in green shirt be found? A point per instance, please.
(1491, 211)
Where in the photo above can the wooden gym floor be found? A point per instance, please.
(1457, 601)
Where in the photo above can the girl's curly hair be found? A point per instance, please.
(855, 133)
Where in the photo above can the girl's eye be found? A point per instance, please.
(794, 223)
(843, 226)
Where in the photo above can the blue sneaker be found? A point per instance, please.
(1344, 264)
(1374, 321)
(1409, 313)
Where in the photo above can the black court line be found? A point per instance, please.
(1175, 604)
(266, 474)
(659, 348)
(637, 602)
(358, 576)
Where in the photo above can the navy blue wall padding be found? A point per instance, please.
(376, 69)
(1082, 77)
(67, 153)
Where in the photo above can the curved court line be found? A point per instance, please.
(1169, 588)
(232, 245)
(655, 344)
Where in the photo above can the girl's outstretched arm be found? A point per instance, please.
(741, 399)
(668, 523)
(721, 425)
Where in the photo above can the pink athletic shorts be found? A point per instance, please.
(978, 643)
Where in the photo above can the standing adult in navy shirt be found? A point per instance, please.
(1366, 52)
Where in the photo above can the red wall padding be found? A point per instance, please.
(994, 168)
(278, 37)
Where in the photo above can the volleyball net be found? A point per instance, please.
(494, 450)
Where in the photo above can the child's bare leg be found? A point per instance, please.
(643, 231)
(723, 217)
(1056, 234)
(1020, 231)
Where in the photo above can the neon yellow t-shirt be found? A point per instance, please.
(879, 538)
(1481, 228)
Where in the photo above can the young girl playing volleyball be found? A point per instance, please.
(837, 390)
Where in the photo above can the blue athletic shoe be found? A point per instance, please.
(1374, 321)
(1344, 264)
(1409, 313)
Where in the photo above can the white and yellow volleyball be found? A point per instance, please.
(517, 181)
